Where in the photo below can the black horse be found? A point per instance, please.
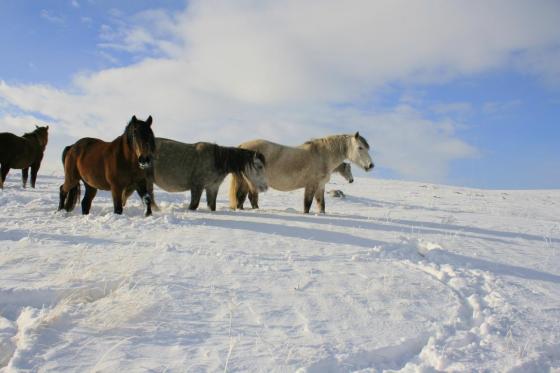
(22, 153)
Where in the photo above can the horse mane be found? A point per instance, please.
(334, 143)
(35, 134)
(364, 141)
(231, 159)
(129, 134)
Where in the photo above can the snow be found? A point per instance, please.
(397, 276)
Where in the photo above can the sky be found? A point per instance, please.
(463, 93)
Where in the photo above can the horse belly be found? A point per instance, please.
(172, 181)
(171, 188)
(21, 163)
(15, 151)
(96, 181)
(285, 176)
(95, 175)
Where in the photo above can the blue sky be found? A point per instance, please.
(444, 93)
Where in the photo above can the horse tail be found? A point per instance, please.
(72, 198)
(64, 152)
(73, 194)
(238, 190)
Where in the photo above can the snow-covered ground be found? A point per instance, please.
(397, 276)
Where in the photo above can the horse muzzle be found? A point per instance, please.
(144, 162)
(369, 167)
(262, 188)
(351, 181)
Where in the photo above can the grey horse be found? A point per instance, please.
(307, 166)
(179, 167)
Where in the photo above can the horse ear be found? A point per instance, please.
(36, 127)
(133, 119)
(357, 135)
(149, 121)
(47, 127)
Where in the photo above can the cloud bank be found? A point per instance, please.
(289, 70)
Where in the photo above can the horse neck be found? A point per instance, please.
(336, 149)
(126, 149)
(34, 139)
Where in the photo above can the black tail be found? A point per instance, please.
(68, 200)
(64, 153)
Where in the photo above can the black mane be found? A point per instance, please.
(230, 159)
(364, 141)
(35, 132)
(129, 133)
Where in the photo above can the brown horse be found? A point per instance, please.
(116, 166)
(23, 152)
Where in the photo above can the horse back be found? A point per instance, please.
(17, 151)
(178, 166)
(91, 159)
(287, 168)
(280, 156)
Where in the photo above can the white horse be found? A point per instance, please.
(306, 166)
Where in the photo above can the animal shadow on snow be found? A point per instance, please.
(312, 234)
(439, 256)
(439, 226)
(361, 222)
(445, 257)
(18, 234)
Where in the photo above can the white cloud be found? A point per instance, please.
(230, 71)
(498, 107)
(458, 108)
(52, 17)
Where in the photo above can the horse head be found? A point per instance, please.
(345, 170)
(142, 141)
(42, 134)
(254, 171)
(358, 152)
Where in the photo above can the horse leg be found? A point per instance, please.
(62, 195)
(117, 200)
(34, 170)
(89, 195)
(127, 192)
(4, 169)
(24, 176)
(241, 196)
(211, 196)
(308, 198)
(196, 193)
(254, 199)
(145, 195)
(320, 198)
(150, 188)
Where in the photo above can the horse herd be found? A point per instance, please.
(137, 160)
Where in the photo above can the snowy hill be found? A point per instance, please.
(397, 276)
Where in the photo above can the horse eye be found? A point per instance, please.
(361, 148)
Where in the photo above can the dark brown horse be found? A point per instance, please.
(23, 152)
(117, 166)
